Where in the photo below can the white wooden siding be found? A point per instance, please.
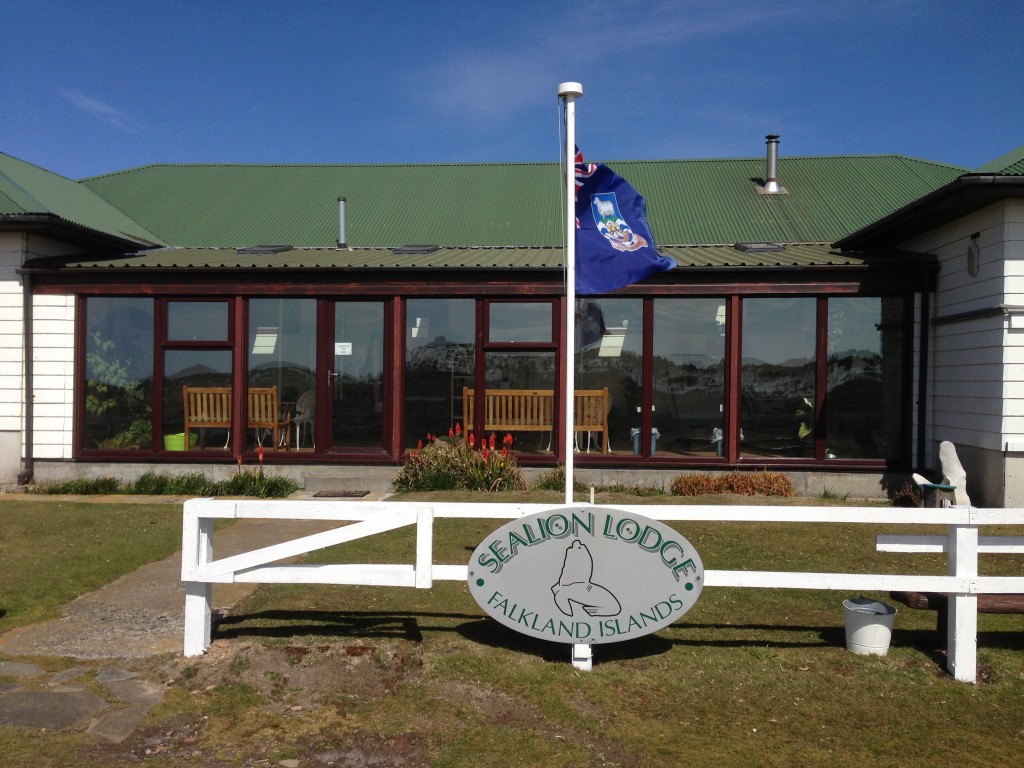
(11, 331)
(53, 319)
(977, 364)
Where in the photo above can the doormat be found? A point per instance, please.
(340, 494)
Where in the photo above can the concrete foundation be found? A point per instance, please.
(378, 479)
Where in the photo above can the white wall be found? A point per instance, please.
(53, 359)
(12, 367)
(977, 387)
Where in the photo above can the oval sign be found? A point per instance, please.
(585, 575)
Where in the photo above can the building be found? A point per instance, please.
(833, 317)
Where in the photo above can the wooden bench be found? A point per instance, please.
(532, 410)
(938, 602)
(210, 408)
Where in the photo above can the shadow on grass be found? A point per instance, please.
(353, 625)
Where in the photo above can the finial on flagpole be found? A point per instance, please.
(570, 90)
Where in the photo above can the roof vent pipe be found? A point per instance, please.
(342, 235)
(771, 177)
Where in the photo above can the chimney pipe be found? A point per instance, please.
(771, 177)
(342, 235)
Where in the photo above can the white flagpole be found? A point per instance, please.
(569, 92)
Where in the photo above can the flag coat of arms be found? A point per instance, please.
(614, 244)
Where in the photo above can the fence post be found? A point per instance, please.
(424, 548)
(197, 551)
(962, 624)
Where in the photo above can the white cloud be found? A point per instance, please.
(102, 111)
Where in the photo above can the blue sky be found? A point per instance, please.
(95, 86)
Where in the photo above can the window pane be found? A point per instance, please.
(206, 369)
(520, 321)
(197, 321)
(282, 354)
(524, 371)
(777, 377)
(689, 375)
(865, 378)
(119, 373)
(358, 383)
(439, 359)
(609, 346)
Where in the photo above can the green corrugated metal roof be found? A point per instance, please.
(691, 202)
(26, 189)
(799, 255)
(1010, 164)
(388, 205)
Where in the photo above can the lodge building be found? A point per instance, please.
(836, 325)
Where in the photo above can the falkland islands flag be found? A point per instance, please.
(614, 245)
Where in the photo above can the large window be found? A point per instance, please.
(282, 373)
(197, 360)
(689, 376)
(609, 353)
(799, 380)
(118, 411)
(778, 377)
(863, 417)
(440, 357)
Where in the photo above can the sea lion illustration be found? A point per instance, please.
(575, 586)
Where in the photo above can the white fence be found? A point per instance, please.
(962, 543)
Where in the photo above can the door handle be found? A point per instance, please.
(331, 376)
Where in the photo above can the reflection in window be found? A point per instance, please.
(193, 368)
(282, 354)
(439, 359)
(778, 377)
(523, 370)
(865, 378)
(357, 389)
(118, 373)
(520, 321)
(609, 346)
(197, 320)
(689, 375)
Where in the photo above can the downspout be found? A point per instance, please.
(26, 323)
(924, 373)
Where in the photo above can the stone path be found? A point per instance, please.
(65, 701)
(138, 616)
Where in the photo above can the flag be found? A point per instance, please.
(614, 244)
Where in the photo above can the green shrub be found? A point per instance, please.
(742, 483)
(242, 483)
(248, 482)
(554, 480)
(458, 464)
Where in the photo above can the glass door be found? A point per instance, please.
(356, 375)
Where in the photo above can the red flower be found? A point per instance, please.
(451, 432)
(507, 440)
(259, 453)
(458, 429)
(472, 439)
(504, 453)
(483, 450)
(491, 441)
(419, 443)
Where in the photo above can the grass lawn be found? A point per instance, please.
(351, 676)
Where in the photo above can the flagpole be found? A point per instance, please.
(569, 92)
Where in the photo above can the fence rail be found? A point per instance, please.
(962, 543)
